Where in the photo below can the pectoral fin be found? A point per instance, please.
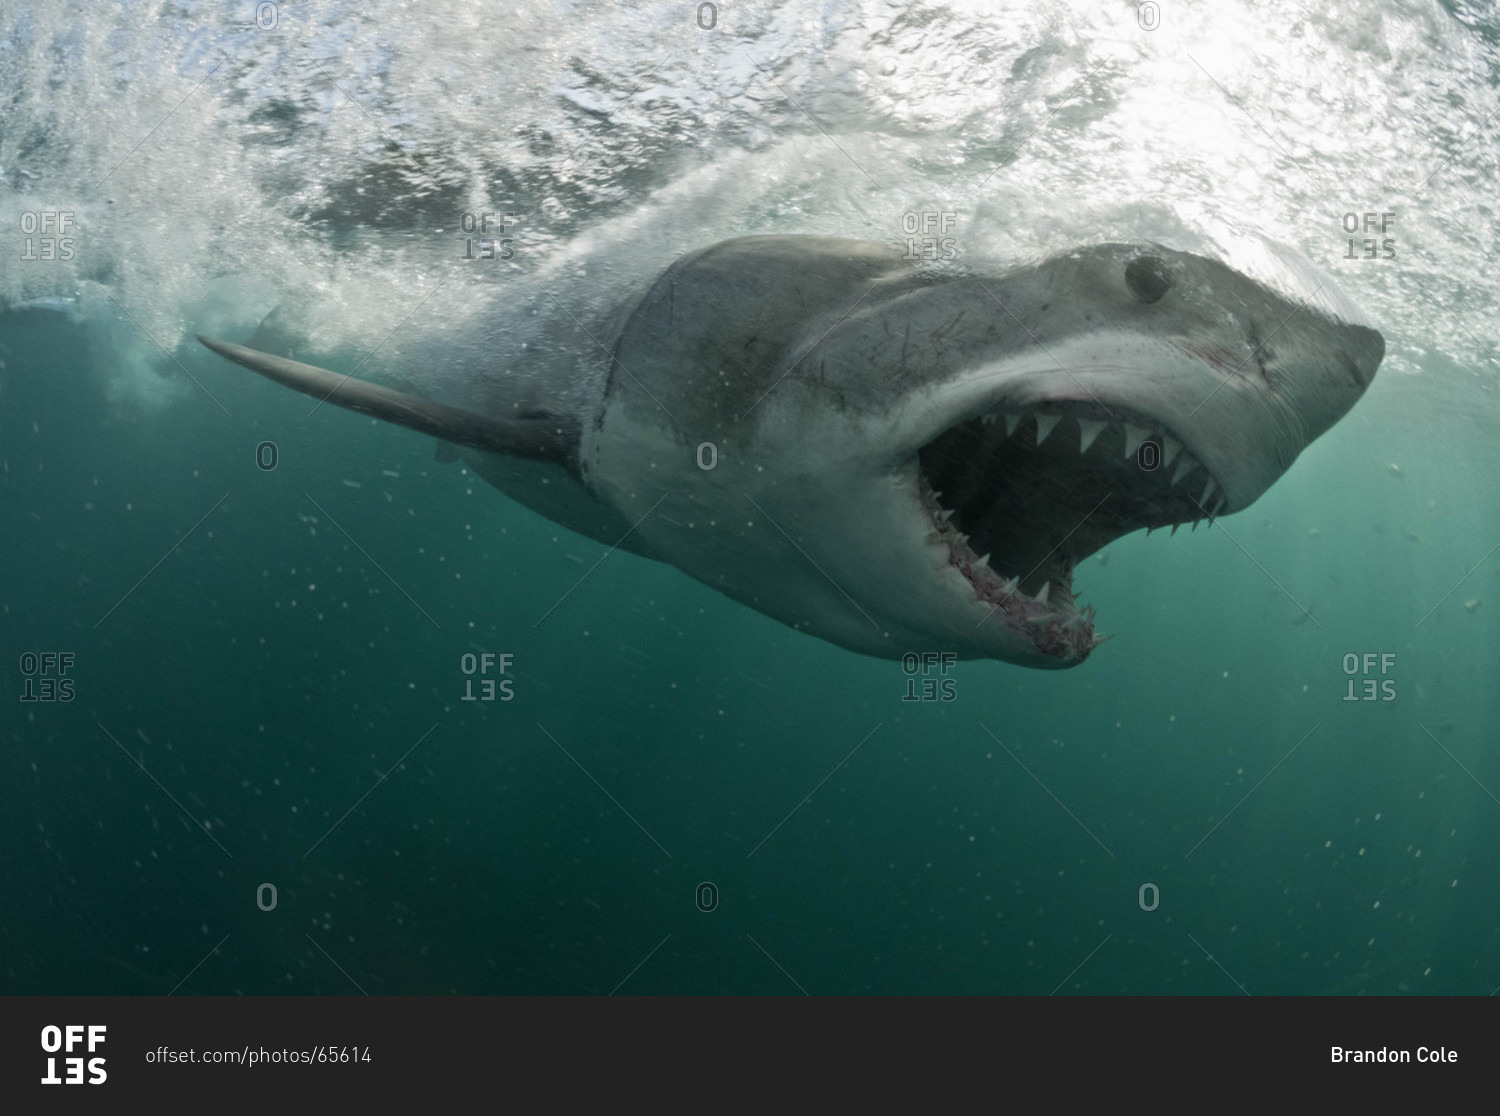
(544, 437)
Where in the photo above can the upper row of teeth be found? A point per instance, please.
(1135, 436)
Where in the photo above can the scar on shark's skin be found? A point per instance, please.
(931, 476)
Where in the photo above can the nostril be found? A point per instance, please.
(1148, 278)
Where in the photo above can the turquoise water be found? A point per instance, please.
(268, 664)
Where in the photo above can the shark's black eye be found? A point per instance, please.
(1148, 278)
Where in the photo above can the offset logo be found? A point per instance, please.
(43, 675)
(918, 667)
(54, 243)
(500, 247)
(66, 1040)
(927, 235)
(484, 664)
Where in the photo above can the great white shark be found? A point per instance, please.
(901, 461)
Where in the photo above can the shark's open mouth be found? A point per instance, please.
(1021, 495)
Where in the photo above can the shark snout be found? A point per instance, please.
(1361, 353)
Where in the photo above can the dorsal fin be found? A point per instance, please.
(541, 436)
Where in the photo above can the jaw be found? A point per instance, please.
(1013, 499)
(1035, 471)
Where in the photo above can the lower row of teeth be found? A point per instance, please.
(1010, 587)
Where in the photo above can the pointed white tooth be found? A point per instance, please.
(1089, 430)
(1208, 491)
(945, 514)
(1041, 598)
(983, 563)
(1219, 507)
(1012, 420)
(1011, 586)
(1134, 436)
(1174, 527)
(1184, 467)
(1170, 448)
(1045, 425)
(1196, 521)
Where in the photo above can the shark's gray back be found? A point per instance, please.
(712, 334)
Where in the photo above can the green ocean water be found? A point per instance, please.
(268, 779)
